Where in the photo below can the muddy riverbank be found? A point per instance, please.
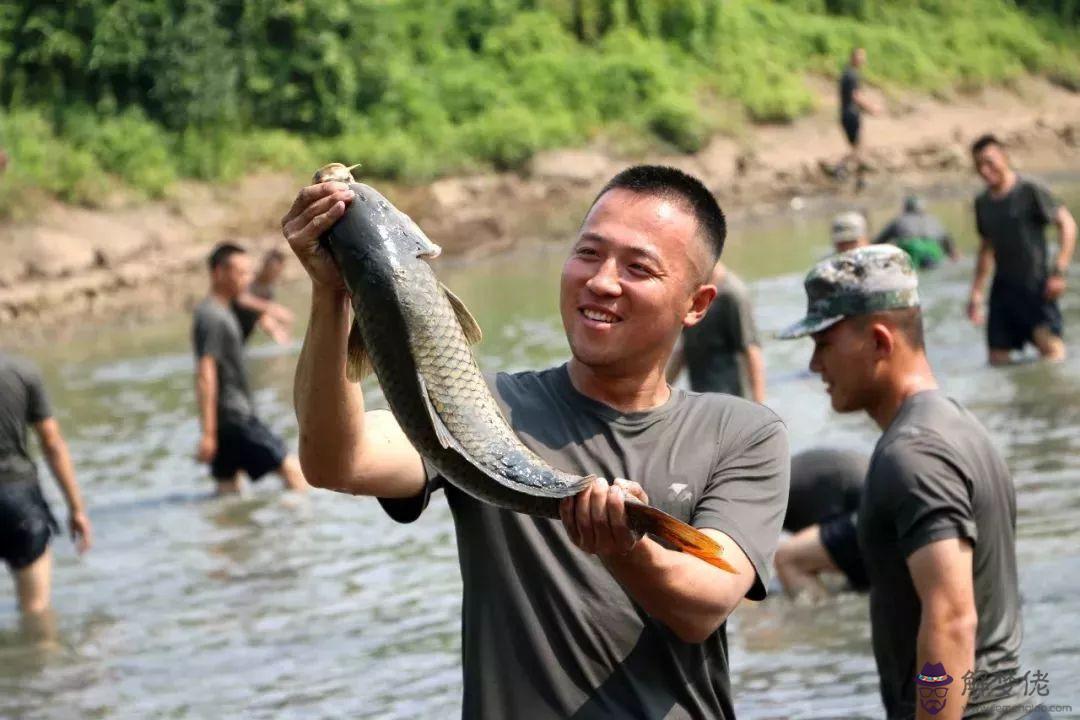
(68, 264)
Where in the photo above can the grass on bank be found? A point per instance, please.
(438, 86)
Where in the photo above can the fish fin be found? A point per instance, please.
(357, 361)
(468, 323)
(647, 519)
(445, 437)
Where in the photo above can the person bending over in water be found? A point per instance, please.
(580, 618)
(826, 487)
(919, 234)
(1011, 215)
(26, 523)
(233, 438)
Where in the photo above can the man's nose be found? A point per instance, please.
(606, 279)
(815, 362)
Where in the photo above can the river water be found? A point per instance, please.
(194, 607)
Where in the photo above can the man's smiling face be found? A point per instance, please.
(630, 281)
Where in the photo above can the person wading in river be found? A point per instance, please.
(580, 617)
(937, 520)
(233, 438)
(26, 523)
(1011, 215)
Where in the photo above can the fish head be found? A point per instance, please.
(402, 239)
(336, 172)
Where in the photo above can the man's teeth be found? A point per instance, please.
(599, 316)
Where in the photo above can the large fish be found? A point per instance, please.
(416, 335)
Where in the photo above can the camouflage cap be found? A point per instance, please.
(857, 282)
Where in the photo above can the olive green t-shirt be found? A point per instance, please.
(935, 475)
(547, 631)
(1015, 226)
(22, 403)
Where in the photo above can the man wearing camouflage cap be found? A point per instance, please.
(937, 520)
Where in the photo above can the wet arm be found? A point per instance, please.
(942, 575)
(755, 370)
(341, 447)
(689, 596)
(984, 265)
(206, 390)
(59, 460)
(1067, 238)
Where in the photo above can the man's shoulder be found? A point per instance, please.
(23, 368)
(210, 312)
(931, 430)
(739, 422)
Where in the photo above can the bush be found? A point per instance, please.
(140, 92)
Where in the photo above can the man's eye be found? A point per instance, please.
(586, 251)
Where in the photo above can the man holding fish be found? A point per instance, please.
(567, 610)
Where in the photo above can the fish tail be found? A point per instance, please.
(646, 519)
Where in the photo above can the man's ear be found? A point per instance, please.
(699, 304)
(884, 339)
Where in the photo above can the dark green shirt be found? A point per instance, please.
(935, 474)
(22, 403)
(1015, 226)
(547, 631)
(216, 332)
(715, 348)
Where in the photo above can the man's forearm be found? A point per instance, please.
(691, 598)
(949, 640)
(984, 263)
(755, 370)
(329, 409)
(206, 391)
(59, 460)
(1066, 240)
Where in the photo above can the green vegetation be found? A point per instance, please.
(99, 93)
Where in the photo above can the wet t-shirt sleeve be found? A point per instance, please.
(37, 401)
(746, 497)
(928, 497)
(407, 510)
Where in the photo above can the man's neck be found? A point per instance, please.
(912, 378)
(220, 297)
(1006, 186)
(625, 393)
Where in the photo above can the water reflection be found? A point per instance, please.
(190, 606)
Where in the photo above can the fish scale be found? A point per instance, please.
(415, 335)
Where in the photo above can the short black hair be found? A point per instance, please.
(221, 254)
(908, 321)
(983, 142)
(673, 184)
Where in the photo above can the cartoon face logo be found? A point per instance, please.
(932, 684)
